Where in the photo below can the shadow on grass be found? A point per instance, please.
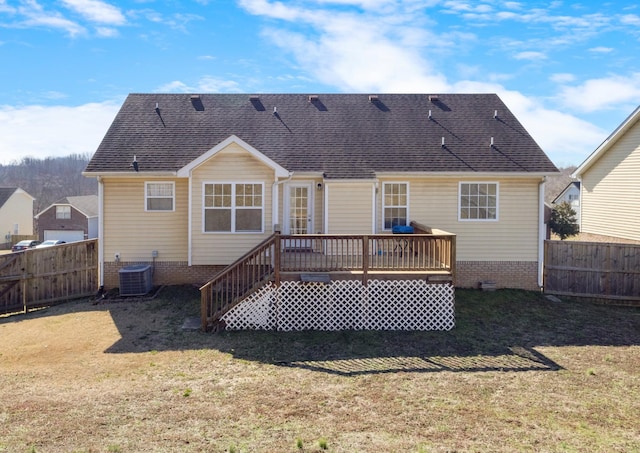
(495, 331)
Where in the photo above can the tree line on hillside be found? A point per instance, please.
(49, 180)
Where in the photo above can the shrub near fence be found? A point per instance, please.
(40, 277)
(592, 269)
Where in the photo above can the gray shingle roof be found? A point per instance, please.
(5, 194)
(341, 135)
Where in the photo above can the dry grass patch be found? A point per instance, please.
(518, 373)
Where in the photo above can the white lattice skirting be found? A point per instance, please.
(347, 305)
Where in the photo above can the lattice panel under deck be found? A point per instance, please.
(347, 304)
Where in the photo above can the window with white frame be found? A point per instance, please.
(233, 207)
(63, 212)
(395, 204)
(159, 196)
(478, 201)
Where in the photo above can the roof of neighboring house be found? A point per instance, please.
(86, 204)
(622, 129)
(339, 135)
(6, 192)
(575, 184)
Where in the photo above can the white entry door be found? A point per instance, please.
(298, 212)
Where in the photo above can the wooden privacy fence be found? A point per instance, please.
(592, 269)
(41, 277)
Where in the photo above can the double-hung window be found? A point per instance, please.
(395, 204)
(478, 201)
(159, 196)
(233, 207)
(63, 212)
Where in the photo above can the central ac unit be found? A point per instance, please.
(136, 280)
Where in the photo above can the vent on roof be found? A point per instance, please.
(257, 103)
(374, 98)
(433, 98)
(197, 102)
(135, 280)
(313, 98)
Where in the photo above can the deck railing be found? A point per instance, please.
(426, 252)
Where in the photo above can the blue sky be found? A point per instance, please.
(570, 71)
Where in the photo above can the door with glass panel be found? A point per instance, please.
(298, 213)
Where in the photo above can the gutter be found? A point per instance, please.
(541, 232)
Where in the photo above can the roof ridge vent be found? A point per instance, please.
(433, 98)
(373, 98)
(196, 102)
(313, 98)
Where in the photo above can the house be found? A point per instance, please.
(16, 213)
(70, 219)
(610, 183)
(192, 182)
(571, 195)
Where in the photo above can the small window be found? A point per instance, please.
(233, 207)
(63, 212)
(478, 201)
(395, 204)
(159, 196)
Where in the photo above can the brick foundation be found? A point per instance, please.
(164, 273)
(506, 274)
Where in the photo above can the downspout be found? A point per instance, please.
(189, 221)
(274, 197)
(542, 232)
(100, 231)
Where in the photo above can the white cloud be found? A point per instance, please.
(96, 11)
(205, 84)
(562, 77)
(530, 55)
(602, 93)
(601, 49)
(52, 131)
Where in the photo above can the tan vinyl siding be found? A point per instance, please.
(350, 208)
(134, 233)
(513, 237)
(18, 209)
(234, 165)
(610, 203)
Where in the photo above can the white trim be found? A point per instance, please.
(607, 143)
(130, 174)
(233, 207)
(279, 170)
(541, 233)
(173, 196)
(325, 206)
(373, 208)
(101, 230)
(497, 184)
(383, 206)
(190, 222)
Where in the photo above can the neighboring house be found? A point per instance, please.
(571, 195)
(16, 213)
(610, 184)
(70, 219)
(192, 182)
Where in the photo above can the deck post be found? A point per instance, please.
(276, 258)
(365, 259)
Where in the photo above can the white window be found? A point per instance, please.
(478, 201)
(63, 212)
(159, 196)
(395, 204)
(233, 207)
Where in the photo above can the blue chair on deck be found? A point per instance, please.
(403, 243)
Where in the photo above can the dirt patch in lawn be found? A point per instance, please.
(518, 373)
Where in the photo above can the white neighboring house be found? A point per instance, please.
(610, 183)
(570, 194)
(16, 213)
